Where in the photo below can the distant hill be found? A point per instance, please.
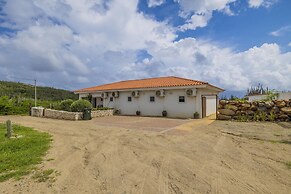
(14, 89)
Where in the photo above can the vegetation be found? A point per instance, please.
(80, 105)
(17, 105)
(288, 164)
(66, 105)
(44, 176)
(21, 90)
(18, 98)
(271, 95)
(19, 156)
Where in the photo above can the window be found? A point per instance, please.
(129, 98)
(111, 99)
(152, 98)
(101, 99)
(181, 98)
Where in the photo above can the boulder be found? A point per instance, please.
(245, 105)
(275, 110)
(222, 102)
(227, 112)
(220, 106)
(231, 107)
(286, 110)
(254, 108)
(283, 117)
(223, 117)
(262, 108)
(249, 112)
(280, 104)
(269, 104)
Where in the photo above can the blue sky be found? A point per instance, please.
(72, 44)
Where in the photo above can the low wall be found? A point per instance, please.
(102, 113)
(57, 114)
(37, 111)
(276, 110)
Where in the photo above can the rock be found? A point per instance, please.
(269, 104)
(283, 117)
(275, 110)
(223, 117)
(227, 112)
(262, 108)
(286, 110)
(232, 102)
(280, 104)
(249, 112)
(231, 107)
(220, 106)
(222, 102)
(245, 105)
(254, 108)
(261, 104)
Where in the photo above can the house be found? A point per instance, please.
(179, 97)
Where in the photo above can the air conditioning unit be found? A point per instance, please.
(135, 94)
(191, 92)
(160, 93)
(115, 94)
(104, 95)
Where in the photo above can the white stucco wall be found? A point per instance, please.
(256, 97)
(170, 103)
(284, 96)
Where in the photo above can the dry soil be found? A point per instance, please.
(203, 156)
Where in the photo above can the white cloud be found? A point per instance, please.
(261, 3)
(155, 3)
(76, 44)
(221, 65)
(281, 31)
(200, 11)
(67, 39)
(289, 44)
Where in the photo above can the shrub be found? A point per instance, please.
(80, 105)
(66, 105)
(272, 117)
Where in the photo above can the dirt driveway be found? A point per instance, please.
(179, 156)
(154, 124)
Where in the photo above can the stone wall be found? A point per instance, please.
(276, 110)
(102, 113)
(37, 111)
(57, 114)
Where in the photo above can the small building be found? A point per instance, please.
(256, 97)
(179, 97)
(280, 96)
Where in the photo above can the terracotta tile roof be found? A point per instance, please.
(145, 83)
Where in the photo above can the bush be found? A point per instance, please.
(80, 105)
(66, 105)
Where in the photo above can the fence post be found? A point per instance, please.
(9, 129)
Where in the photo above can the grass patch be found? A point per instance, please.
(288, 164)
(18, 157)
(43, 176)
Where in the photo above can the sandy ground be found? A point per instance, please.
(186, 156)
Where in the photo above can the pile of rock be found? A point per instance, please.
(276, 110)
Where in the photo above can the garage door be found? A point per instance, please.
(209, 105)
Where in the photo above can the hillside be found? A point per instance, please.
(15, 89)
